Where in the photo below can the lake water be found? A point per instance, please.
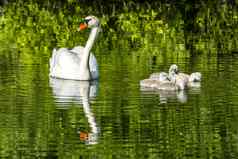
(112, 118)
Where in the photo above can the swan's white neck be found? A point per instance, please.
(91, 40)
(84, 66)
(87, 110)
(172, 76)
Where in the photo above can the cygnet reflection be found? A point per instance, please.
(166, 95)
(79, 92)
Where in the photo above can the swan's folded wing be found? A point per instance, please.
(93, 66)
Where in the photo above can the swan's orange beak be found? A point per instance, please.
(82, 26)
(83, 136)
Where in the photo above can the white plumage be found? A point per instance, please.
(77, 63)
(65, 64)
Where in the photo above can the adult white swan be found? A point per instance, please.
(77, 63)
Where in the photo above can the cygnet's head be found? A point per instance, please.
(195, 77)
(173, 69)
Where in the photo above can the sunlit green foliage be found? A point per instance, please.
(26, 26)
(40, 26)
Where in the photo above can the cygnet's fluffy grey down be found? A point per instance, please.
(174, 80)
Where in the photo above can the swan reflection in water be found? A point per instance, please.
(79, 92)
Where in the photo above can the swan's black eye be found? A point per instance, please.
(87, 20)
(84, 21)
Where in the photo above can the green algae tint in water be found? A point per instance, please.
(112, 118)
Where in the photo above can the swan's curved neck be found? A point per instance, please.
(87, 110)
(84, 66)
(91, 40)
(172, 76)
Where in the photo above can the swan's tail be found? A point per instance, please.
(52, 60)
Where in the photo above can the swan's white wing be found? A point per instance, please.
(65, 63)
(77, 49)
(93, 66)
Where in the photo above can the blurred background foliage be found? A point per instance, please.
(204, 26)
